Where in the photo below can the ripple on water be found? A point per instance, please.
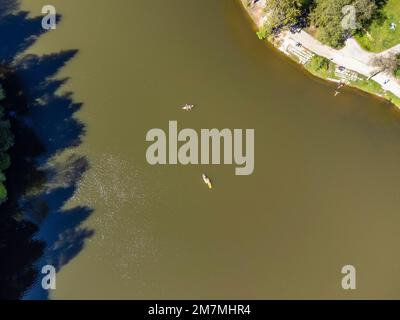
(119, 195)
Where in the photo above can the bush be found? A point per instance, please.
(319, 63)
(264, 32)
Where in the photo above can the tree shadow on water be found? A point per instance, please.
(51, 115)
(36, 225)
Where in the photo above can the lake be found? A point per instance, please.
(326, 181)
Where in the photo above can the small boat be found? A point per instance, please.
(336, 93)
(188, 107)
(207, 181)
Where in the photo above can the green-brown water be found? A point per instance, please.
(325, 191)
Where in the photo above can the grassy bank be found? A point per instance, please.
(322, 68)
(380, 36)
(325, 69)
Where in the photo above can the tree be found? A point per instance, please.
(3, 193)
(389, 62)
(6, 142)
(282, 13)
(6, 137)
(5, 161)
(328, 17)
(365, 10)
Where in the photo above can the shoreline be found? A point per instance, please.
(288, 44)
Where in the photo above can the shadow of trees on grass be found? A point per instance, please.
(35, 227)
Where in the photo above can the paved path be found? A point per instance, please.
(352, 57)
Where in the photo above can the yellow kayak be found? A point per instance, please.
(207, 181)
